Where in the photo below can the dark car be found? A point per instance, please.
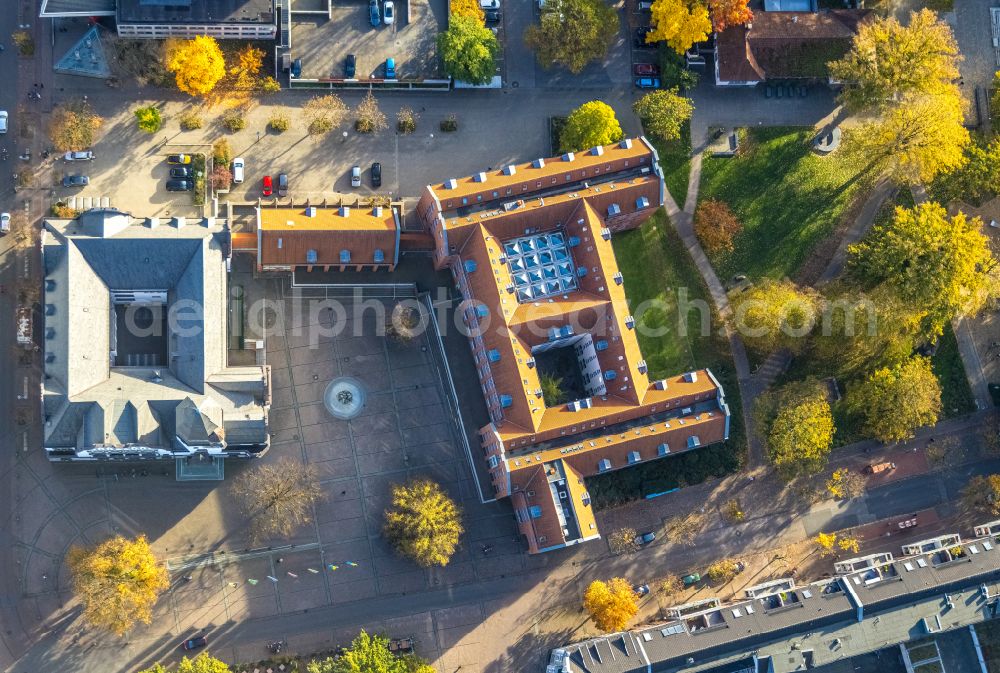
(179, 185)
(195, 643)
(180, 172)
(179, 159)
(640, 37)
(645, 69)
(645, 538)
(267, 186)
(641, 589)
(75, 181)
(350, 66)
(297, 68)
(493, 16)
(376, 174)
(282, 184)
(647, 82)
(374, 15)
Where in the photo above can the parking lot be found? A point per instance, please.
(323, 45)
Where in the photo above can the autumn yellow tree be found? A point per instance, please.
(914, 141)
(845, 484)
(611, 604)
(197, 64)
(775, 314)
(681, 23)
(893, 402)
(825, 543)
(423, 523)
(726, 13)
(800, 438)
(981, 496)
(73, 126)
(245, 71)
(469, 8)
(593, 123)
(572, 33)
(890, 60)
(118, 582)
(848, 543)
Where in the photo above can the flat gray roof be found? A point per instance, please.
(196, 11)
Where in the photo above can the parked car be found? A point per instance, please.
(267, 187)
(489, 4)
(4, 223)
(640, 37)
(195, 643)
(693, 578)
(641, 589)
(180, 172)
(178, 185)
(179, 159)
(647, 82)
(645, 69)
(388, 13)
(376, 174)
(297, 68)
(493, 16)
(645, 5)
(355, 176)
(282, 184)
(645, 538)
(373, 13)
(83, 155)
(238, 170)
(3, 121)
(350, 66)
(390, 68)
(75, 181)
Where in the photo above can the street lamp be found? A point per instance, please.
(345, 137)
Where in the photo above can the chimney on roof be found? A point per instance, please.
(377, 211)
(480, 177)
(210, 222)
(311, 211)
(597, 151)
(569, 156)
(153, 222)
(509, 169)
(451, 183)
(795, 18)
(180, 222)
(538, 163)
(626, 144)
(344, 211)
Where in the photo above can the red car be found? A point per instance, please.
(645, 69)
(267, 185)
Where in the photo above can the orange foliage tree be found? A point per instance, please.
(726, 13)
(716, 226)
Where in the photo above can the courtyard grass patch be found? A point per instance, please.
(670, 301)
(788, 198)
(675, 162)
(988, 633)
(956, 395)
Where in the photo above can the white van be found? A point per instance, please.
(237, 170)
(3, 121)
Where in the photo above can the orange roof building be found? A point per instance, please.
(341, 238)
(530, 248)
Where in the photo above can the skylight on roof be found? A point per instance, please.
(540, 265)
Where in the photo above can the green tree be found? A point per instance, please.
(722, 571)
(801, 435)
(423, 524)
(611, 604)
(203, 663)
(914, 141)
(325, 113)
(469, 50)
(890, 61)
(277, 498)
(893, 402)
(589, 125)
(775, 314)
(118, 581)
(976, 181)
(552, 392)
(73, 126)
(940, 266)
(369, 654)
(148, 119)
(572, 33)
(663, 113)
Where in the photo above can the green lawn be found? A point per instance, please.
(788, 198)
(956, 396)
(659, 277)
(988, 634)
(675, 161)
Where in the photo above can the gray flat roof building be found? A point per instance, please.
(135, 343)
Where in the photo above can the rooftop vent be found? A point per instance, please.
(153, 222)
(379, 256)
(311, 211)
(604, 465)
(310, 256)
(344, 211)
(629, 322)
(538, 163)
(209, 222)
(641, 202)
(345, 256)
(605, 233)
(509, 169)
(180, 222)
(480, 177)
(663, 449)
(569, 156)
(691, 377)
(614, 209)
(619, 279)
(377, 211)
(626, 144)
(660, 385)
(597, 151)
(451, 183)
(642, 366)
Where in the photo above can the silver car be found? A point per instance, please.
(355, 176)
(3, 121)
(83, 155)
